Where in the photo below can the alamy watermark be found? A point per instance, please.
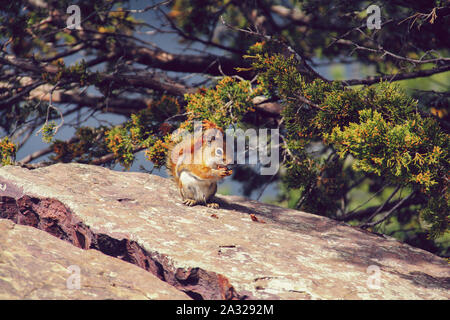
(73, 282)
(374, 278)
(374, 19)
(252, 147)
(74, 20)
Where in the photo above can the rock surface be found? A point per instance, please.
(245, 250)
(35, 265)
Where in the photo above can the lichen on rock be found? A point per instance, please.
(245, 250)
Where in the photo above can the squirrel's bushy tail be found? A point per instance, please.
(173, 155)
(170, 165)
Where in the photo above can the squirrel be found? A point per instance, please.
(197, 163)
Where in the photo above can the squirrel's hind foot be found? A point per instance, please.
(213, 205)
(189, 202)
(192, 202)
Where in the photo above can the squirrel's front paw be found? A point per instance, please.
(189, 202)
(223, 171)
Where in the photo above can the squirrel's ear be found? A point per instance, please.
(209, 125)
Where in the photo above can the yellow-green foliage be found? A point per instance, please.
(48, 131)
(223, 105)
(280, 77)
(7, 151)
(144, 130)
(77, 72)
(157, 151)
(414, 151)
(379, 126)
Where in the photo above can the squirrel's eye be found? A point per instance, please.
(219, 152)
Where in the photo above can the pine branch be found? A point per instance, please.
(397, 76)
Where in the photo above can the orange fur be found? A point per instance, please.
(212, 167)
(201, 170)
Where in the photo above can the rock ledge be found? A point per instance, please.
(207, 253)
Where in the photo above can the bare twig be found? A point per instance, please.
(384, 204)
(388, 213)
(42, 152)
(397, 76)
(298, 57)
(354, 213)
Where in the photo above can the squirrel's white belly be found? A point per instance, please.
(196, 188)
